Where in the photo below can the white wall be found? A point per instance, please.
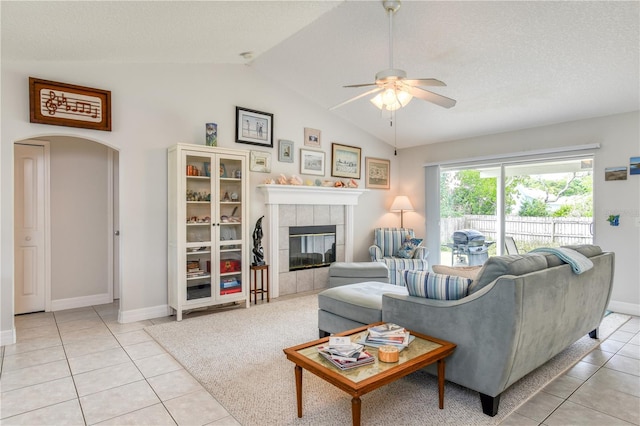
(619, 138)
(153, 107)
(79, 219)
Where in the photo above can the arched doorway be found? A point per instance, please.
(79, 251)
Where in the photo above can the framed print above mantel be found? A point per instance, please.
(311, 162)
(62, 104)
(254, 127)
(345, 161)
(377, 171)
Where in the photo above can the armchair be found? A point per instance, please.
(386, 242)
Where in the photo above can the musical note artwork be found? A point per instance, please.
(69, 105)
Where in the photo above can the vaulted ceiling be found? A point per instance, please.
(510, 65)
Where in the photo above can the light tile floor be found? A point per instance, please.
(80, 367)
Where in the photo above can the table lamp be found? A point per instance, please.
(401, 204)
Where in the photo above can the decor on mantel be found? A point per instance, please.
(296, 180)
(401, 204)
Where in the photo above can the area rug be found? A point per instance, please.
(237, 356)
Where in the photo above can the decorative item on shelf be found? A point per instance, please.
(226, 196)
(295, 180)
(207, 168)
(614, 219)
(258, 251)
(282, 180)
(234, 196)
(224, 219)
(229, 266)
(211, 134)
(352, 183)
(269, 181)
(223, 171)
(238, 174)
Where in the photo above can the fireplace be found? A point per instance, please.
(311, 246)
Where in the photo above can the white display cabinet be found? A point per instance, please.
(208, 205)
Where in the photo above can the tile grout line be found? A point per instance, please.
(586, 380)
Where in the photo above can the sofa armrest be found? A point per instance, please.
(375, 252)
(484, 325)
(421, 253)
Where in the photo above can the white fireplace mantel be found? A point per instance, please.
(276, 195)
(318, 195)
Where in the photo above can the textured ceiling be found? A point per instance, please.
(510, 65)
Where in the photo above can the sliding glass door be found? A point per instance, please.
(514, 207)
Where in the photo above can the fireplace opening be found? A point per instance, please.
(311, 246)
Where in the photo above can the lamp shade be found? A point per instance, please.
(401, 203)
(391, 99)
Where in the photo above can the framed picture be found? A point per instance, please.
(254, 127)
(68, 105)
(345, 161)
(311, 137)
(615, 173)
(311, 162)
(634, 166)
(260, 161)
(378, 172)
(285, 151)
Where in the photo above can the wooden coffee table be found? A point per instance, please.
(424, 350)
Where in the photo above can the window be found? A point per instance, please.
(515, 205)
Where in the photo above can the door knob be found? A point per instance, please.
(27, 238)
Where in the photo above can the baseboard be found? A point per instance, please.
(624, 308)
(7, 337)
(134, 315)
(80, 302)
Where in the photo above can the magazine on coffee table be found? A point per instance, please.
(356, 359)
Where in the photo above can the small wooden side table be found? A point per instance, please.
(254, 283)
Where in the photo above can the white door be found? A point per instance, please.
(29, 228)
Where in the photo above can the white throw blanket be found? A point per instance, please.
(579, 262)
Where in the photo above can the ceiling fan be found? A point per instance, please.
(393, 88)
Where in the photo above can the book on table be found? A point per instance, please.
(352, 360)
(387, 334)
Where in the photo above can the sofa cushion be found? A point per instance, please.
(361, 302)
(470, 272)
(515, 264)
(408, 248)
(436, 286)
(588, 250)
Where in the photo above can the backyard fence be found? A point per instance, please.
(527, 231)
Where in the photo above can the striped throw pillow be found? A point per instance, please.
(436, 286)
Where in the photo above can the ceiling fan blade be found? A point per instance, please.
(369, 92)
(361, 85)
(424, 82)
(426, 95)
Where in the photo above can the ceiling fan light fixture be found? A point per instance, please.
(391, 99)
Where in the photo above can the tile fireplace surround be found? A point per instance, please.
(313, 206)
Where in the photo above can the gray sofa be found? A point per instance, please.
(522, 311)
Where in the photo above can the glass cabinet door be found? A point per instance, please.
(230, 210)
(199, 227)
